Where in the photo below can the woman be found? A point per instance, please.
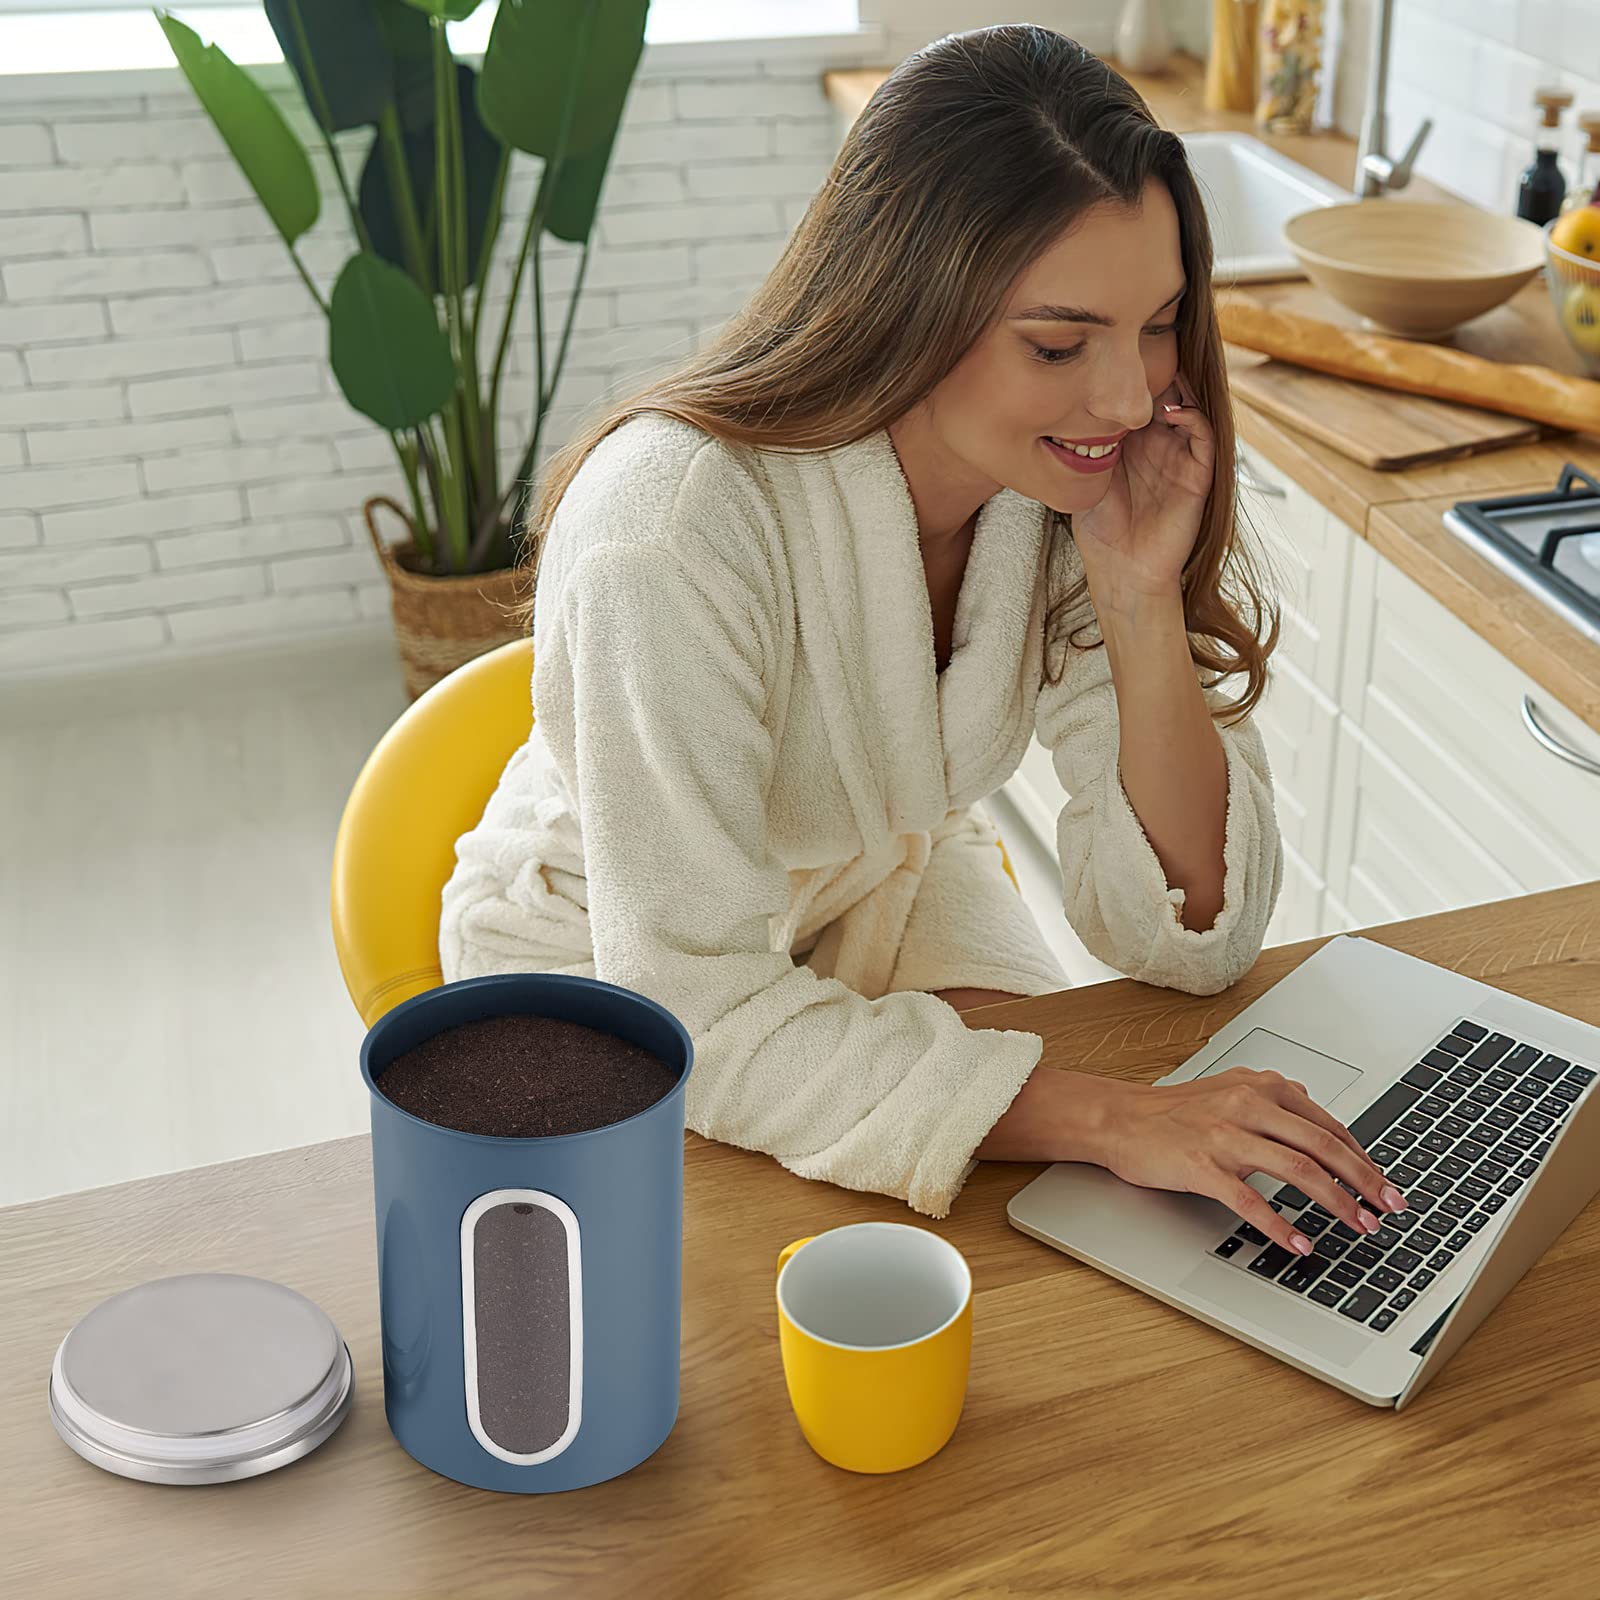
(803, 603)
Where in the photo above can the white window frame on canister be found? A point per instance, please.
(469, 1334)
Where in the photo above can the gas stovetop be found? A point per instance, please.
(1549, 542)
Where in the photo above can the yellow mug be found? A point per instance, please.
(875, 1322)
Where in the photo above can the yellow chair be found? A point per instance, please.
(424, 785)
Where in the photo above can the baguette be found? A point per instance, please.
(1413, 366)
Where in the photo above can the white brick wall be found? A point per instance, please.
(178, 471)
(1473, 66)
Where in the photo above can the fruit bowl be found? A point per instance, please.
(1411, 268)
(1574, 282)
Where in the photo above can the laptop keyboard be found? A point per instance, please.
(1458, 1135)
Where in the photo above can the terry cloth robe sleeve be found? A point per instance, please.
(673, 761)
(1115, 891)
(969, 928)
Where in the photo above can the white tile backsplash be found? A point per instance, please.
(1473, 66)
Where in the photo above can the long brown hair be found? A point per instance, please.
(973, 156)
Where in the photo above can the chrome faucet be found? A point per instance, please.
(1375, 172)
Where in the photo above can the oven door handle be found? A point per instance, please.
(1530, 718)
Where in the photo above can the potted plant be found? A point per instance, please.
(408, 340)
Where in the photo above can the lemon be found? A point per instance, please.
(1580, 317)
(1579, 232)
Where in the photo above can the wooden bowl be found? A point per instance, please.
(1411, 268)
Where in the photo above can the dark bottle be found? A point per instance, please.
(1543, 186)
(1585, 189)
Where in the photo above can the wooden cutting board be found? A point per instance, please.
(1381, 428)
(1388, 429)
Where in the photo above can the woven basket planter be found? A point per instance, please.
(442, 622)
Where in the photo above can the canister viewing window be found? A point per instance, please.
(522, 1320)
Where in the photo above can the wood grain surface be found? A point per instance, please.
(1110, 1446)
(1404, 430)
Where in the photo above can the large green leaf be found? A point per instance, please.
(412, 49)
(574, 185)
(385, 344)
(531, 65)
(366, 53)
(481, 152)
(272, 159)
(447, 10)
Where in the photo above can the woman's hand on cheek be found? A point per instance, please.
(1137, 538)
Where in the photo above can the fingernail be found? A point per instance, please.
(1393, 1198)
(1367, 1220)
(1301, 1243)
(1166, 407)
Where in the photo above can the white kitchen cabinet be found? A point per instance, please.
(1307, 559)
(1396, 853)
(1299, 727)
(1442, 797)
(1405, 778)
(1299, 911)
(1308, 550)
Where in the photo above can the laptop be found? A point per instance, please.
(1479, 1105)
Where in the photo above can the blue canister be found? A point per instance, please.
(530, 1290)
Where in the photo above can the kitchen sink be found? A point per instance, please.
(1250, 191)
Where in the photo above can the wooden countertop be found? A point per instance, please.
(1398, 512)
(1110, 1443)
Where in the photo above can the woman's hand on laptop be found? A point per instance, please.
(1208, 1135)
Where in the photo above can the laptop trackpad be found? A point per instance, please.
(1325, 1079)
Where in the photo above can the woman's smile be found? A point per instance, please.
(1071, 458)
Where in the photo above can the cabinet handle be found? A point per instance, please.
(1248, 480)
(1553, 744)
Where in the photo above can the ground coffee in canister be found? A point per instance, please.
(525, 1077)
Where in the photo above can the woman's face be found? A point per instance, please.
(1039, 373)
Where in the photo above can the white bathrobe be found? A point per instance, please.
(751, 796)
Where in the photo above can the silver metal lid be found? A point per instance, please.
(200, 1378)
